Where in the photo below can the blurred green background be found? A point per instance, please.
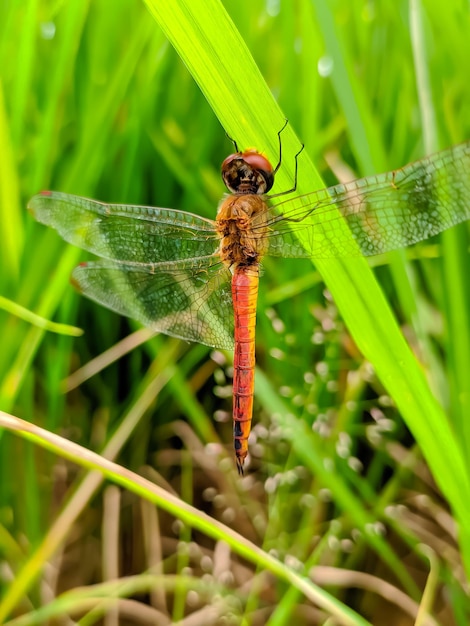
(95, 101)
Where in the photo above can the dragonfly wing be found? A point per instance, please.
(190, 300)
(125, 232)
(375, 214)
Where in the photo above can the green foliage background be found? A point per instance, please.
(95, 101)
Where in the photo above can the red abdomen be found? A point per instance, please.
(244, 294)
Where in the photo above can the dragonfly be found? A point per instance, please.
(197, 279)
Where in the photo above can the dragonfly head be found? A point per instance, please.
(247, 172)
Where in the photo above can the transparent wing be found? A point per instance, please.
(382, 212)
(125, 232)
(190, 300)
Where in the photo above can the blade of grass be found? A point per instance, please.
(37, 320)
(455, 250)
(10, 205)
(166, 501)
(215, 54)
(455, 253)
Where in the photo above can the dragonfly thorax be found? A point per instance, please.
(242, 228)
(247, 172)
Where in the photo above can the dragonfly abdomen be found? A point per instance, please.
(244, 293)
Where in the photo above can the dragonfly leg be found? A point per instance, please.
(235, 145)
(280, 146)
(283, 193)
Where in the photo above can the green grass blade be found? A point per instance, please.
(167, 502)
(217, 57)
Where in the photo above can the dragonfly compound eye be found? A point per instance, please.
(247, 172)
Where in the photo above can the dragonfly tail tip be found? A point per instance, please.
(240, 462)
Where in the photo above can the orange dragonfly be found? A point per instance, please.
(197, 279)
